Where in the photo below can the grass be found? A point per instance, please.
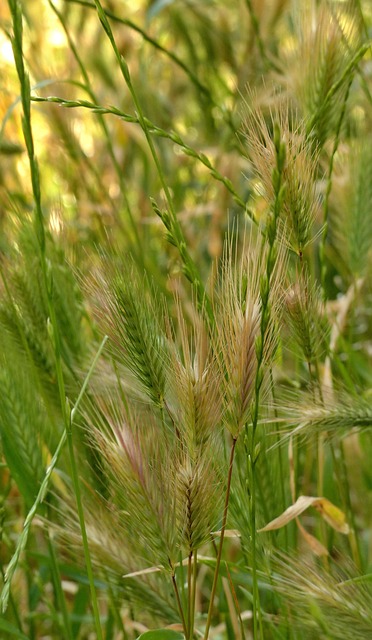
(185, 320)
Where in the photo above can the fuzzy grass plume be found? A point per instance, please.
(334, 603)
(299, 165)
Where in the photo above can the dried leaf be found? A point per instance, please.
(143, 572)
(332, 514)
(329, 512)
(316, 547)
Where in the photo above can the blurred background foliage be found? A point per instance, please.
(190, 64)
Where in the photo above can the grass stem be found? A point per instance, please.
(222, 535)
(179, 604)
(189, 595)
(22, 540)
(57, 582)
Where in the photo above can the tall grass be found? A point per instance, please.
(185, 200)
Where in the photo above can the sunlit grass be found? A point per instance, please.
(192, 180)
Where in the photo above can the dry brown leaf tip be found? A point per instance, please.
(329, 512)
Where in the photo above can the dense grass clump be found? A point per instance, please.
(185, 325)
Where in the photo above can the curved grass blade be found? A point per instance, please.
(22, 541)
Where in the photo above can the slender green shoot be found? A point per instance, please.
(22, 540)
(220, 545)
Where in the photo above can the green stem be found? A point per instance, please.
(193, 593)
(88, 561)
(156, 131)
(22, 540)
(60, 596)
(119, 172)
(222, 535)
(280, 456)
(323, 239)
(261, 346)
(256, 593)
(189, 595)
(116, 610)
(190, 267)
(179, 604)
(340, 468)
(24, 81)
(257, 617)
(256, 29)
(170, 54)
(338, 84)
(68, 416)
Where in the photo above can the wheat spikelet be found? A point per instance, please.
(299, 200)
(318, 62)
(131, 315)
(140, 463)
(307, 316)
(335, 601)
(194, 383)
(239, 322)
(199, 498)
(22, 427)
(351, 202)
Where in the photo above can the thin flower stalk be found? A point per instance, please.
(160, 133)
(220, 546)
(24, 80)
(22, 541)
(106, 133)
(190, 268)
(239, 314)
(57, 583)
(256, 29)
(179, 605)
(267, 283)
(324, 235)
